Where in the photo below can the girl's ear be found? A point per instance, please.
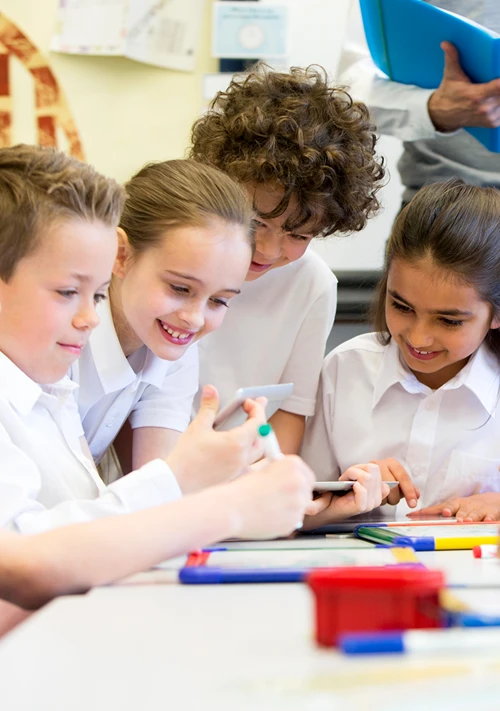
(495, 322)
(123, 254)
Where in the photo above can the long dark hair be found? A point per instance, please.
(458, 227)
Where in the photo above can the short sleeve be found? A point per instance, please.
(170, 405)
(303, 366)
(317, 450)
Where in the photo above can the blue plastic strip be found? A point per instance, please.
(208, 575)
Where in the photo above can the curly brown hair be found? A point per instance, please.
(295, 131)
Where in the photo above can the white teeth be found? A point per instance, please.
(175, 334)
(422, 352)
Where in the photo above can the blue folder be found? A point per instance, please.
(404, 38)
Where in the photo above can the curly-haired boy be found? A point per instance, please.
(305, 151)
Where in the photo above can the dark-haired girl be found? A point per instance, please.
(421, 396)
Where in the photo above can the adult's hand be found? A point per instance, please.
(458, 102)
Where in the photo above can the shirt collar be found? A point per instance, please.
(392, 372)
(22, 392)
(481, 376)
(114, 369)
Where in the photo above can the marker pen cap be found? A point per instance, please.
(385, 643)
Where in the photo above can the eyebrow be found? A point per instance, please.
(85, 278)
(189, 277)
(440, 312)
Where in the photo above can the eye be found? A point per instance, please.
(99, 297)
(451, 323)
(401, 307)
(67, 293)
(219, 302)
(299, 238)
(258, 224)
(179, 289)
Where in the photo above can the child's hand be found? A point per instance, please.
(272, 500)
(392, 470)
(367, 493)
(479, 507)
(203, 457)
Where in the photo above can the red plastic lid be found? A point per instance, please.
(386, 578)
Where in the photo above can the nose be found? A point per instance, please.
(268, 243)
(419, 336)
(86, 318)
(193, 316)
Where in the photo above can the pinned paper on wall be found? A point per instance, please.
(165, 33)
(250, 30)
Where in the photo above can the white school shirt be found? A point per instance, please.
(275, 331)
(150, 391)
(371, 406)
(46, 480)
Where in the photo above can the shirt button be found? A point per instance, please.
(430, 405)
(416, 469)
(110, 423)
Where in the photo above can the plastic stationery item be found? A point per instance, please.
(375, 599)
(282, 566)
(435, 537)
(404, 38)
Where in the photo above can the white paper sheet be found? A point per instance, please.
(165, 33)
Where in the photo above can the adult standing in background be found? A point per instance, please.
(430, 122)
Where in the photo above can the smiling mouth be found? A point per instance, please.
(256, 267)
(72, 347)
(175, 336)
(420, 354)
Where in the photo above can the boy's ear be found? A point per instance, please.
(123, 254)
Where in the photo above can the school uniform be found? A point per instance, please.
(275, 331)
(371, 406)
(149, 391)
(46, 480)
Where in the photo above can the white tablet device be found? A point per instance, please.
(322, 486)
(233, 415)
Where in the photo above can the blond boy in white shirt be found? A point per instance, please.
(421, 397)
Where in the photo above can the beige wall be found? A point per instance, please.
(127, 113)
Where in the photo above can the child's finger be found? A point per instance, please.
(320, 504)
(447, 508)
(256, 417)
(360, 496)
(250, 406)
(407, 488)
(209, 404)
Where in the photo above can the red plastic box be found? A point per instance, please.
(371, 599)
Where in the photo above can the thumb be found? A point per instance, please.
(452, 69)
(209, 404)
(373, 468)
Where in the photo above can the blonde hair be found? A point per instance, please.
(181, 192)
(39, 186)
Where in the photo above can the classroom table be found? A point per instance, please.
(155, 644)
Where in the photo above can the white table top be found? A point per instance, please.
(234, 647)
